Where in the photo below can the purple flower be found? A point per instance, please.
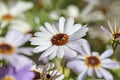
(10, 73)
(11, 48)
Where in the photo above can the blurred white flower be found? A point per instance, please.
(21, 26)
(96, 32)
(88, 14)
(54, 15)
(60, 39)
(93, 16)
(11, 51)
(114, 32)
(9, 14)
(72, 11)
(91, 62)
(46, 72)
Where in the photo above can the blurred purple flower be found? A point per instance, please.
(10, 73)
(11, 50)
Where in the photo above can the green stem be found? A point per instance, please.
(63, 65)
(114, 46)
(0, 29)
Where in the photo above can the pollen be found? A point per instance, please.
(7, 17)
(93, 61)
(116, 35)
(8, 78)
(60, 39)
(6, 48)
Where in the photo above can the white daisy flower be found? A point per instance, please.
(114, 32)
(10, 49)
(10, 13)
(46, 72)
(91, 62)
(58, 40)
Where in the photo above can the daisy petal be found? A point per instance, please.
(56, 25)
(106, 31)
(106, 54)
(39, 39)
(90, 72)
(95, 53)
(74, 47)
(41, 48)
(53, 54)
(108, 63)
(106, 74)
(55, 29)
(82, 75)
(77, 68)
(78, 34)
(19, 61)
(61, 24)
(11, 35)
(20, 40)
(85, 45)
(25, 76)
(45, 31)
(80, 57)
(41, 43)
(25, 50)
(111, 29)
(48, 52)
(50, 28)
(98, 73)
(23, 40)
(69, 25)
(42, 35)
(69, 52)
(60, 52)
(75, 28)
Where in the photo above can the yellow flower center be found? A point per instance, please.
(6, 48)
(60, 39)
(8, 78)
(7, 17)
(93, 61)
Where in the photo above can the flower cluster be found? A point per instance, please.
(62, 50)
